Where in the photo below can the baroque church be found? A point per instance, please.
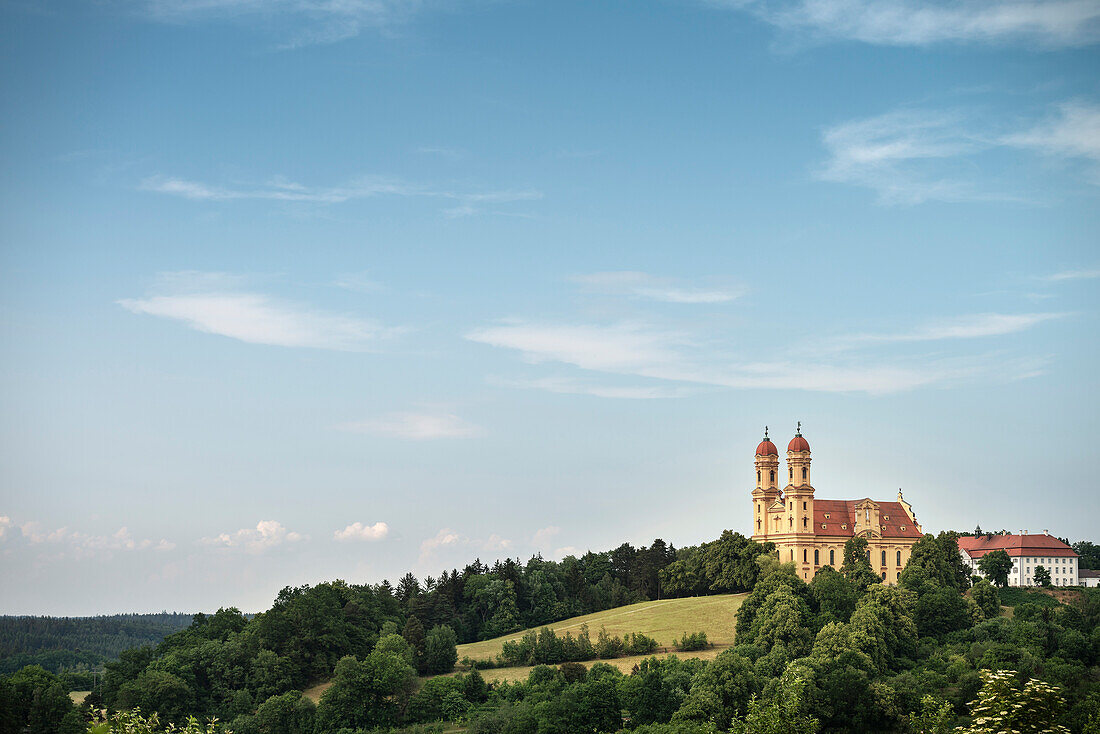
(811, 532)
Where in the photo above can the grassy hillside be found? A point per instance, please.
(665, 620)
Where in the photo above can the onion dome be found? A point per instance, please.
(766, 447)
(798, 443)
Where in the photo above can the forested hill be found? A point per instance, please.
(67, 642)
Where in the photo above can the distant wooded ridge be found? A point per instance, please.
(58, 643)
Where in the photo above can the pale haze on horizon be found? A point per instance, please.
(347, 290)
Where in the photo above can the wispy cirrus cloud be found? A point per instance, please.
(650, 287)
(296, 23)
(905, 156)
(266, 535)
(415, 426)
(569, 386)
(1071, 131)
(910, 156)
(1050, 23)
(636, 350)
(214, 303)
(281, 189)
(963, 327)
(1080, 274)
(361, 531)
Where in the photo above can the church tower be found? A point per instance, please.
(799, 493)
(767, 485)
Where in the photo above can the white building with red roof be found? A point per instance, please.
(811, 532)
(1028, 552)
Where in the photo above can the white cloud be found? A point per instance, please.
(256, 318)
(632, 349)
(1072, 132)
(911, 156)
(297, 23)
(84, 543)
(965, 327)
(417, 426)
(643, 285)
(267, 534)
(1082, 274)
(365, 187)
(567, 386)
(544, 536)
(1052, 23)
(449, 539)
(5, 523)
(442, 539)
(900, 155)
(359, 531)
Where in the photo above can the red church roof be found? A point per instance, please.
(798, 444)
(1015, 545)
(841, 519)
(766, 448)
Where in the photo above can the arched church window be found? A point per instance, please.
(883, 575)
(792, 472)
(792, 554)
(884, 558)
(772, 472)
(899, 558)
(868, 556)
(758, 477)
(817, 557)
(803, 505)
(803, 473)
(805, 522)
(804, 552)
(757, 524)
(832, 557)
(790, 521)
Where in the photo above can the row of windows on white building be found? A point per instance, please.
(1063, 571)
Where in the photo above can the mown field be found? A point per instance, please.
(665, 620)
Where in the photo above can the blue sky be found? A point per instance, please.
(301, 289)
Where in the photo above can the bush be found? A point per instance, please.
(694, 641)
(638, 644)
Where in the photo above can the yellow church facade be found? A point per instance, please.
(811, 532)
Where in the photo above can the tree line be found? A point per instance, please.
(57, 643)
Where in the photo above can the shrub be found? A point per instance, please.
(638, 644)
(694, 641)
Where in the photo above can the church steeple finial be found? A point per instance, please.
(798, 431)
(765, 433)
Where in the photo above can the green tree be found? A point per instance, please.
(721, 691)
(1042, 576)
(936, 559)
(784, 619)
(367, 694)
(856, 568)
(834, 595)
(995, 566)
(935, 717)
(414, 635)
(1089, 553)
(440, 650)
(986, 598)
(289, 713)
(785, 714)
(1004, 705)
(39, 703)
